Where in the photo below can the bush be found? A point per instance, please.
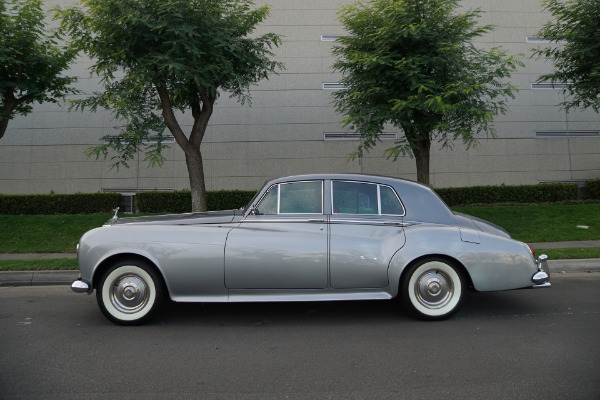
(546, 193)
(593, 186)
(80, 203)
(181, 201)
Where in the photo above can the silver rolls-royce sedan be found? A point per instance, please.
(306, 238)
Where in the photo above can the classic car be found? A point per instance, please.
(306, 238)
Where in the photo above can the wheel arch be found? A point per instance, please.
(454, 261)
(109, 261)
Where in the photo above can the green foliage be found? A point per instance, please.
(45, 233)
(593, 186)
(578, 60)
(31, 61)
(81, 203)
(525, 194)
(543, 223)
(160, 59)
(181, 202)
(412, 64)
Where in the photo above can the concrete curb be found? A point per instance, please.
(37, 278)
(49, 278)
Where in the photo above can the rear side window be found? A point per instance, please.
(365, 198)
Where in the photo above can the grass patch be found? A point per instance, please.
(571, 253)
(39, 265)
(45, 233)
(543, 223)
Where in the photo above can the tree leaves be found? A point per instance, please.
(577, 61)
(31, 61)
(158, 59)
(412, 64)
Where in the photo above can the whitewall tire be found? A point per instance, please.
(130, 292)
(432, 289)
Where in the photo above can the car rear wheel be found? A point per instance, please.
(130, 292)
(432, 289)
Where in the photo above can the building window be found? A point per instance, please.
(330, 38)
(550, 86)
(563, 134)
(333, 86)
(537, 39)
(356, 136)
(151, 140)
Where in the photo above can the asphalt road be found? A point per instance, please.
(529, 344)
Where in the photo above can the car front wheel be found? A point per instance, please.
(432, 289)
(130, 292)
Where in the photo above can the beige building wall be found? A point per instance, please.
(284, 130)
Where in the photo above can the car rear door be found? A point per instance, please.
(365, 232)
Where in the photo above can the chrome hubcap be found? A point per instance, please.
(434, 289)
(129, 293)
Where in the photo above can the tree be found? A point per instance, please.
(31, 62)
(577, 22)
(157, 58)
(412, 64)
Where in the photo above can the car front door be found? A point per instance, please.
(282, 244)
(365, 232)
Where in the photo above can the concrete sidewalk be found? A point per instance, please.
(35, 256)
(565, 245)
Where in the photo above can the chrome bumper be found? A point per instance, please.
(80, 286)
(541, 278)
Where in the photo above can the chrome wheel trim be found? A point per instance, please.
(128, 293)
(435, 288)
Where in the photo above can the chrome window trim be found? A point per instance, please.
(378, 199)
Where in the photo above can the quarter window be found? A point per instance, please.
(389, 201)
(365, 198)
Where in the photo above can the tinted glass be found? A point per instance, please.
(354, 198)
(301, 198)
(389, 201)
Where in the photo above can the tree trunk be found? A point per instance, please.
(421, 151)
(3, 126)
(193, 160)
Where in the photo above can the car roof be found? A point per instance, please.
(351, 177)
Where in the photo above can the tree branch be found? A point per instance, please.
(171, 120)
(201, 116)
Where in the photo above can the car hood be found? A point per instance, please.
(483, 225)
(211, 217)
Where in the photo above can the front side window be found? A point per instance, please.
(293, 198)
(365, 198)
